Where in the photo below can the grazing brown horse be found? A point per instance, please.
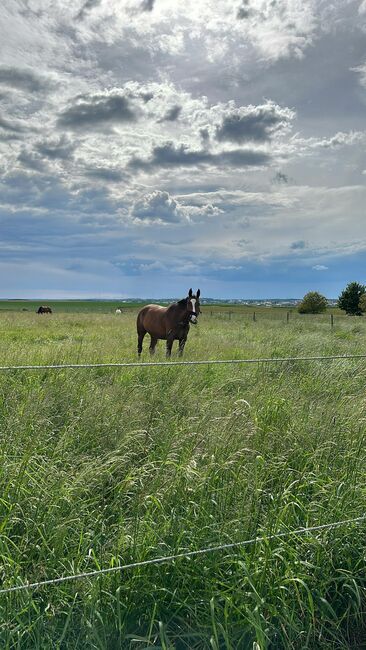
(168, 323)
(44, 309)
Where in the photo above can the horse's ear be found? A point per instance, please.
(190, 293)
(198, 293)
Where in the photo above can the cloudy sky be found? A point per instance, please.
(148, 146)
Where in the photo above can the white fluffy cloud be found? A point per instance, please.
(159, 207)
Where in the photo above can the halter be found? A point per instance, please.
(188, 318)
(192, 313)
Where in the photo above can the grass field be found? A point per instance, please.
(103, 467)
(66, 306)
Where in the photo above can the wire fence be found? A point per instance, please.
(275, 315)
(202, 551)
(204, 362)
(182, 555)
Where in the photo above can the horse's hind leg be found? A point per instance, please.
(140, 336)
(153, 345)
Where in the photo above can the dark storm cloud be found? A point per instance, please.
(104, 174)
(239, 158)
(256, 123)
(8, 137)
(31, 160)
(280, 178)
(147, 5)
(22, 79)
(298, 245)
(88, 6)
(12, 126)
(97, 110)
(30, 191)
(205, 135)
(172, 114)
(243, 11)
(146, 97)
(61, 149)
(168, 155)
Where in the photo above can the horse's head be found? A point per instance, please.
(193, 306)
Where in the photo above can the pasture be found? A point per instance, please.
(102, 467)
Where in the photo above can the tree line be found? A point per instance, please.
(352, 300)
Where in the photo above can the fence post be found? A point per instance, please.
(211, 312)
(331, 320)
(287, 316)
(254, 316)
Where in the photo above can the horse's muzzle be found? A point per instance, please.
(193, 319)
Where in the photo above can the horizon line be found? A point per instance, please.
(145, 298)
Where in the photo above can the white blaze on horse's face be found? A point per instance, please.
(193, 317)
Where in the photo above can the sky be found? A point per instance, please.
(150, 146)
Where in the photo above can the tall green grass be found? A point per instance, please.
(103, 467)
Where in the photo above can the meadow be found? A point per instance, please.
(101, 467)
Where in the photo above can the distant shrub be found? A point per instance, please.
(349, 300)
(362, 303)
(312, 303)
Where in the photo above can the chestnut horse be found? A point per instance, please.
(168, 323)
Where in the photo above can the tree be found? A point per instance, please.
(312, 303)
(362, 303)
(350, 298)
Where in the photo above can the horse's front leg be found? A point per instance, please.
(153, 345)
(182, 343)
(169, 345)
